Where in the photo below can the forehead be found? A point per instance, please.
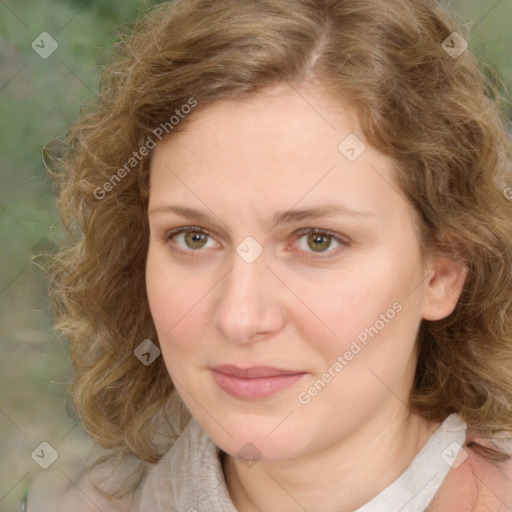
(286, 119)
(276, 149)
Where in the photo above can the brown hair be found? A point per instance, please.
(435, 115)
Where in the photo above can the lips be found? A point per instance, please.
(255, 382)
(254, 372)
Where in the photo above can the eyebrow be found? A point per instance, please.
(280, 217)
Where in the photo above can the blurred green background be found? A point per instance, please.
(39, 98)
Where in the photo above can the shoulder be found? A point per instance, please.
(72, 487)
(60, 491)
(477, 482)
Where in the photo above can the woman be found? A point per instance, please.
(288, 274)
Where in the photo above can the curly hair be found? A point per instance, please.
(437, 116)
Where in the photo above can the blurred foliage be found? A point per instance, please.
(487, 22)
(39, 99)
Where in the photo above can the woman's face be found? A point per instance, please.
(275, 336)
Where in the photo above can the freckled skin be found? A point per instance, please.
(292, 307)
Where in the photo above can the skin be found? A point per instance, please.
(295, 307)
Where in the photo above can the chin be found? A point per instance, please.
(244, 435)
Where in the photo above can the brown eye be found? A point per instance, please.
(318, 242)
(190, 238)
(195, 240)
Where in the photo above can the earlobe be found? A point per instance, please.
(444, 285)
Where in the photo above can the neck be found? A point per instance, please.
(340, 478)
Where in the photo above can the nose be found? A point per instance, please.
(249, 307)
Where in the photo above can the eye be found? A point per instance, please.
(319, 241)
(191, 238)
(311, 240)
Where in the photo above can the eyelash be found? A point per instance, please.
(299, 234)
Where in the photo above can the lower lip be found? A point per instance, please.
(255, 388)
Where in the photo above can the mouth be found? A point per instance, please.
(256, 382)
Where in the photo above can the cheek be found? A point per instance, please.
(371, 353)
(371, 309)
(177, 302)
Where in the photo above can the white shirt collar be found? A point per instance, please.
(416, 487)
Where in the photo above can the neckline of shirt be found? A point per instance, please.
(191, 477)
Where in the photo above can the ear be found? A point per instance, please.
(443, 288)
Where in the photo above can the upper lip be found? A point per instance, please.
(254, 371)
